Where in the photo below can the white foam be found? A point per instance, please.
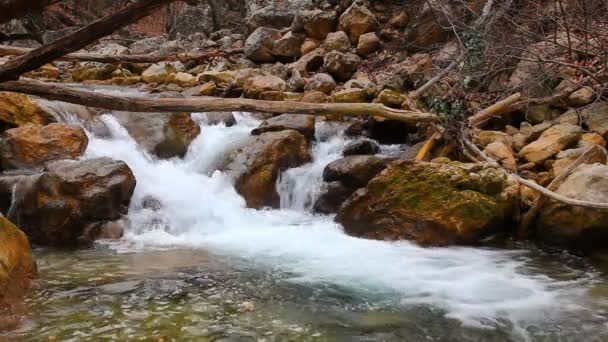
(478, 286)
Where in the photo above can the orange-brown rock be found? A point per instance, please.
(19, 109)
(256, 166)
(17, 266)
(57, 207)
(31, 146)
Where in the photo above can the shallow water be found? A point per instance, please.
(204, 267)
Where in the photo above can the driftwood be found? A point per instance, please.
(472, 152)
(79, 39)
(496, 109)
(428, 146)
(96, 57)
(208, 104)
(538, 204)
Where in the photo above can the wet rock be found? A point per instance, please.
(110, 230)
(350, 96)
(368, 44)
(315, 23)
(551, 142)
(259, 84)
(216, 118)
(357, 20)
(321, 82)
(578, 227)
(17, 265)
(354, 171)
(341, 65)
(256, 166)
(503, 154)
(337, 41)
(19, 109)
(288, 45)
(304, 124)
(567, 157)
(69, 196)
(331, 198)
(433, 204)
(259, 45)
(161, 134)
(361, 147)
(595, 117)
(31, 146)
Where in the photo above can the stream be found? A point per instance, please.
(206, 268)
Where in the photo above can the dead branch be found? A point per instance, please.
(79, 39)
(208, 104)
(476, 155)
(496, 109)
(96, 57)
(538, 204)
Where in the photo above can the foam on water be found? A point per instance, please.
(201, 209)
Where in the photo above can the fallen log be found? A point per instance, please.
(79, 39)
(208, 104)
(101, 58)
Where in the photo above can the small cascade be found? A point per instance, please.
(300, 187)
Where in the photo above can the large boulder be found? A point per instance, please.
(256, 167)
(161, 134)
(357, 20)
(259, 84)
(551, 142)
(578, 227)
(259, 45)
(19, 109)
(595, 117)
(17, 265)
(331, 198)
(354, 171)
(341, 65)
(31, 146)
(60, 205)
(315, 23)
(434, 204)
(305, 124)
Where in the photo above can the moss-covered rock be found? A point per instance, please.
(435, 204)
(17, 265)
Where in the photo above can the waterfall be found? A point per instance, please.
(199, 208)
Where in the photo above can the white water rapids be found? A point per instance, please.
(201, 209)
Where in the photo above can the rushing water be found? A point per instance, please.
(204, 267)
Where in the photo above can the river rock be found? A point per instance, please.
(590, 139)
(93, 71)
(310, 62)
(331, 198)
(295, 82)
(354, 171)
(567, 157)
(224, 77)
(503, 154)
(337, 41)
(165, 135)
(288, 45)
(315, 23)
(321, 82)
(341, 65)
(217, 118)
(258, 84)
(368, 43)
(309, 44)
(350, 96)
(391, 98)
(433, 204)
(19, 109)
(595, 117)
(155, 74)
(69, 196)
(485, 138)
(256, 167)
(361, 147)
(314, 97)
(17, 265)
(305, 124)
(551, 142)
(578, 227)
(31, 146)
(357, 20)
(259, 45)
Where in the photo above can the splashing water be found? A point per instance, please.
(201, 209)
